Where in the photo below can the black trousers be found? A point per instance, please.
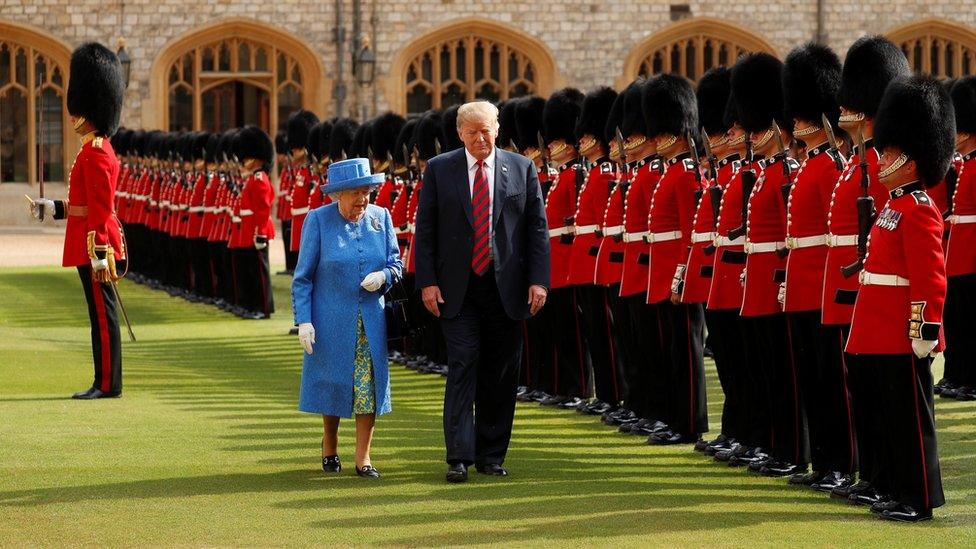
(651, 353)
(685, 389)
(818, 353)
(484, 348)
(598, 328)
(291, 258)
(539, 354)
(200, 262)
(725, 337)
(626, 345)
(562, 339)
(896, 391)
(960, 352)
(254, 280)
(106, 342)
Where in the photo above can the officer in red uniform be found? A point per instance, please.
(299, 124)
(257, 227)
(871, 63)
(671, 115)
(286, 177)
(562, 328)
(93, 241)
(811, 81)
(897, 322)
(593, 298)
(959, 380)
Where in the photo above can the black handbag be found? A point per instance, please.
(399, 323)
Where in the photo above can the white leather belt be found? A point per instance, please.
(553, 233)
(299, 211)
(874, 279)
(586, 229)
(837, 240)
(635, 237)
(411, 228)
(209, 209)
(164, 203)
(247, 212)
(613, 231)
(667, 236)
(763, 247)
(235, 219)
(197, 209)
(702, 237)
(726, 241)
(962, 219)
(795, 243)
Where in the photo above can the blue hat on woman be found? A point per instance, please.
(351, 174)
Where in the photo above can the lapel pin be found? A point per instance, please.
(376, 224)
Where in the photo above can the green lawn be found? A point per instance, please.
(206, 448)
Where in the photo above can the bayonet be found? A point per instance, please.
(543, 151)
(832, 141)
(712, 160)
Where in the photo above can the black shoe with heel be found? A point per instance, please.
(331, 464)
(367, 471)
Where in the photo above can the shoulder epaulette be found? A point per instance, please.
(606, 167)
(689, 164)
(921, 197)
(97, 142)
(793, 164)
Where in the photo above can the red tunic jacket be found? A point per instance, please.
(698, 274)
(730, 260)
(905, 242)
(299, 205)
(670, 221)
(637, 257)
(961, 255)
(842, 222)
(590, 207)
(283, 208)
(806, 223)
(765, 233)
(560, 208)
(256, 200)
(610, 257)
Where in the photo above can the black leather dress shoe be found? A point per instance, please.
(881, 506)
(703, 444)
(716, 445)
(367, 471)
(756, 465)
(597, 408)
(93, 393)
(752, 456)
(844, 491)
(941, 386)
(540, 396)
(730, 452)
(616, 417)
(669, 437)
(628, 425)
(867, 496)
(651, 428)
(492, 469)
(804, 479)
(528, 396)
(831, 480)
(907, 513)
(553, 400)
(331, 464)
(966, 394)
(521, 390)
(457, 472)
(572, 403)
(781, 469)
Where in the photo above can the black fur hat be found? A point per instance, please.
(171, 146)
(405, 137)
(449, 129)
(712, 95)
(151, 142)
(871, 63)
(281, 143)
(964, 102)
(528, 121)
(120, 141)
(916, 115)
(362, 140)
(507, 130)
(313, 142)
(340, 140)
(321, 146)
(632, 120)
(811, 81)
(614, 118)
(96, 87)
(731, 117)
(757, 85)
(560, 115)
(254, 143)
(136, 142)
(200, 145)
(210, 149)
(594, 114)
(427, 132)
(299, 124)
(386, 129)
(669, 106)
(225, 145)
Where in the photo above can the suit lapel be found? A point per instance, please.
(501, 186)
(463, 187)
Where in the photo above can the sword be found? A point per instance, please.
(125, 315)
(832, 140)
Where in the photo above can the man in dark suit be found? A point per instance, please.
(482, 261)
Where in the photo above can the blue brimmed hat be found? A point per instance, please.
(351, 174)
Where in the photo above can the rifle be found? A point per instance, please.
(623, 168)
(783, 156)
(832, 140)
(865, 212)
(693, 147)
(714, 190)
(748, 183)
(543, 152)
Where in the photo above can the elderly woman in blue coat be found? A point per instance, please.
(349, 257)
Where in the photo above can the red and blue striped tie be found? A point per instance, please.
(480, 201)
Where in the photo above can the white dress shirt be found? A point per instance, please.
(490, 174)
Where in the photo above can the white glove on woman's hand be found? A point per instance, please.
(306, 336)
(923, 347)
(373, 281)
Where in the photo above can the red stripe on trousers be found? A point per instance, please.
(847, 401)
(106, 359)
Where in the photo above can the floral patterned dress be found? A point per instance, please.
(363, 390)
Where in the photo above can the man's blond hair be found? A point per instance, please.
(477, 111)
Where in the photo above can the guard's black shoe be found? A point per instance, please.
(331, 464)
(831, 480)
(367, 471)
(572, 403)
(732, 451)
(93, 393)
(941, 386)
(867, 496)
(907, 513)
(521, 390)
(619, 416)
(598, 408)
(881, 506)
(844, 491)
(756, 465)
(493, 469)
(457, 472)
(627, 426)
(649, 428)
(752, 456)
(804, 479)
(528, 396)
(718, 445)
(966, 394)
(669, 437)
(702, 444)
(553, 400)
(778, 469)
(541, 395)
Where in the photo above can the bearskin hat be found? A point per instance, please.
(136, 142)
(449, 129)
(871, 63)
(560, 114)
(281, 143)
(200, 145)
(916, 115)
(404, 139)
(594, 114)
(712, 95)
(299, 124)
(313, 142)
(185, 146)
(362, 141)
(669, 106)
(632, 121)
(758, 89)
(226, 145)
(151, 142)
(507, 130)
(964, 102)
(120, 141)
(528, 121)
(96, 87)
(614, 118)
(811, 81)
(386, 129)
(210, 149)
(340, 140)
(254, 143)
(427, 134)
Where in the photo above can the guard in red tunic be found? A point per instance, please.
(594, 298)
(871, 63)
(257, 227)
(959, 380)
(286, 178)
(671, 115)
(897, 322)
(93, 241)
(299, 124)
(811, 81)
